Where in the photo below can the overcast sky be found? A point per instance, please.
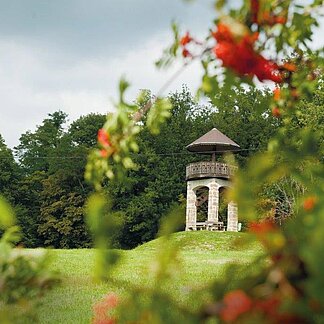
(70, 54)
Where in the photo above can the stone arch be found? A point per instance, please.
(214, 186)
(191, 209)
(201, 203)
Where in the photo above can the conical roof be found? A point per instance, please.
(212, 142)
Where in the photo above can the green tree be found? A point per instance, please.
(244, 115)
(30, 189)
(9, 172)
(64, 193)
(34, 150)
(52, 190)
(61, 223)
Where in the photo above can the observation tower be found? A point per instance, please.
(207, 182)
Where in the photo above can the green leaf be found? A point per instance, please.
(158, 113)
(7, 215)
(123, 86)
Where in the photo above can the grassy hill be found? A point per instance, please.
(202, 257)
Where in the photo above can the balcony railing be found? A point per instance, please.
(209, 170)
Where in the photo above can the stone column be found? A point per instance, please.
(213, 202)
(232, 218)
(191, 209)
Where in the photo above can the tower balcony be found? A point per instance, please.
(209, 169)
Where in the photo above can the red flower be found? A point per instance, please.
(103, 138)
(268, 306)
(281, 20)
(255, 6)
(276, 112)
(267, 70)
(186, 53)
(223, 34)
(186, 39)
(270, 19)
(103, 153)
(240, 56)
(102, 308)
(236, 302)
(226, 52)
(309, 203)
(262, 227)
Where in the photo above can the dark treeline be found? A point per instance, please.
(45, 183)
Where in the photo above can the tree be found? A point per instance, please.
(52, 192)
(244, 115)
(29, 202)
(9, 172)
(61, 222)
(34, 150)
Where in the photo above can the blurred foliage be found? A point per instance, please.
(253, 42)
(24, 276)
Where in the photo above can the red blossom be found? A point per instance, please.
(267, 70)
(186, 39)
(226, 52)
(270, 308)
(223, 34)
(262, 227)
(186, 53)
(103, 153)
(240, 56)
(103, 138)
(267, 306)
(309, 203)
(281, 20)
(270, 19)
(236, 302)
(102, 309)
(276, 112)
(255, 7)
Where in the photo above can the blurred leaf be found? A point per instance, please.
(157, 114)
(7, 216)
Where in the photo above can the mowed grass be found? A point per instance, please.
(202, 257)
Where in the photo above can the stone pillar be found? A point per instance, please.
(232, 218)
(191, 209)
(213, 202)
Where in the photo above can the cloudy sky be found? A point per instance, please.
(70, 54)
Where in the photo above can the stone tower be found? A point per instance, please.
(206, 182)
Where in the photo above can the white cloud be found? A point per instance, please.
(39, 76)
(33, 87)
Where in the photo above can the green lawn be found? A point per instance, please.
(203, 256)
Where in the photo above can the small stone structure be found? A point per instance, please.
(206, 180)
